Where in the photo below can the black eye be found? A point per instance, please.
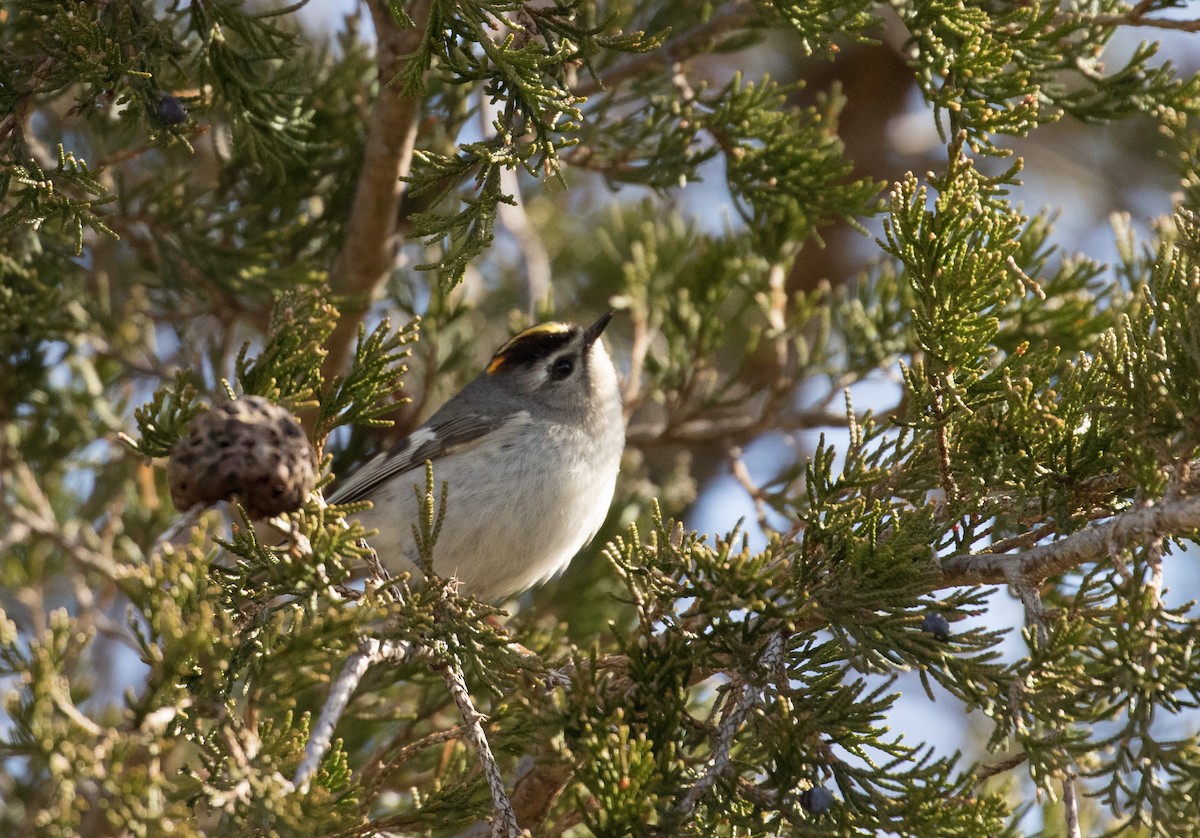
(562, 367)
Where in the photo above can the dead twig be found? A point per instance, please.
(504, 818)
(1169, 517)
(735, 714)
(370, 652)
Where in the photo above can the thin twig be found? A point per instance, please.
(1025, 539)
(1026, 282)
(504, 819)
(680, 48)
(36, 516)
(741, 473)
(381, 767)
(1016, 688)
(18, 113)
(770, 799)
(732, 721)
(739, 427)
(61, 695)
(1035, 613)
(1070, 805)
(1131, 19)
(180, 525)
(1007, 764)
(370, 651)
(942, 433)
(735, 714)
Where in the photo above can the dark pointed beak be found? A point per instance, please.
(592, 333)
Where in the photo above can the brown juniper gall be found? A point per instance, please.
(250, 450)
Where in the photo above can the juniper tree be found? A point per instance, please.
(208, 200)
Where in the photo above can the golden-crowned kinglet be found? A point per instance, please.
(529, 450)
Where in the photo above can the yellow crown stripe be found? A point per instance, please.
(532, 333)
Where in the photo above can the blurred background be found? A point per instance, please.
(1107, 187)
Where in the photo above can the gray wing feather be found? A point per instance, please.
(433, 440)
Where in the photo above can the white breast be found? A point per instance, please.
(496, 538)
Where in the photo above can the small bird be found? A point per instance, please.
(530, 452)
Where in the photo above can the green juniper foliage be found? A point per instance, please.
(196, 200)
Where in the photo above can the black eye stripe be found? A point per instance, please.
(526, 348)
